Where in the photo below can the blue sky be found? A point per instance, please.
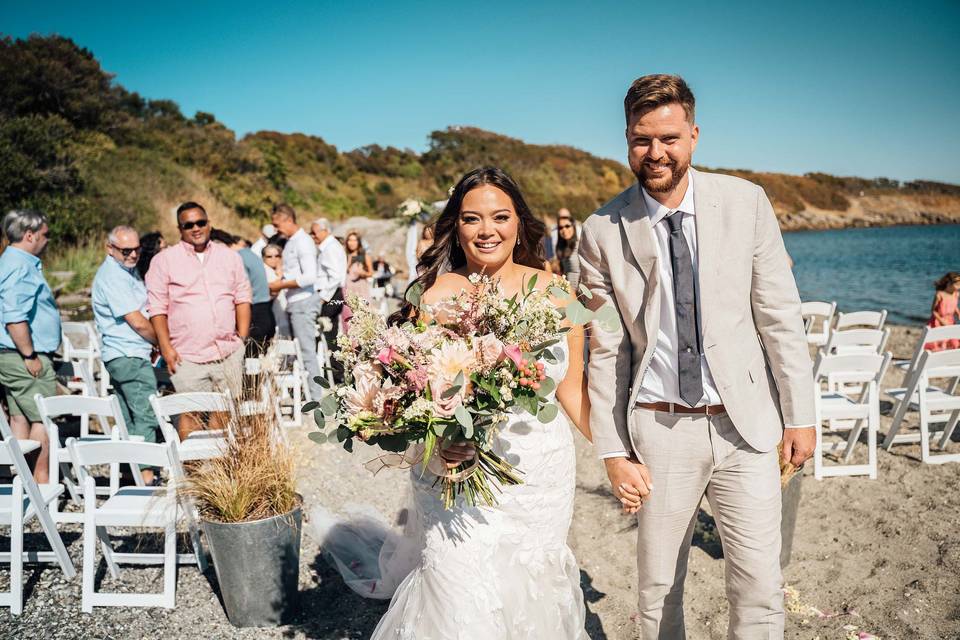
(868, 89)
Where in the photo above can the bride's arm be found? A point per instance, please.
(572, 390)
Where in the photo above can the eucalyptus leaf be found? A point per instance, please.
(466, 421)
(318, 437)
(319, 419)
(608, 318)
(586, 292)
(577, 313)
(532, 283)
(547, 413)
(558, 293)
(348, 445)
(549, 356)
(323, 382)
(414, 294)
(343, 434)
(329, 405)
(449, 393)
(547, 385)
(393, 442)
(310, 406)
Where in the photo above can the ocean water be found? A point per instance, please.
(890, 268)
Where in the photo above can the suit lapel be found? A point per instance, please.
(709, 223)
(639, 233)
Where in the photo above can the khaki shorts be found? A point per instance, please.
(220, 375)
(20, 386)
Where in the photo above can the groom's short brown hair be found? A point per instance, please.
(649, 92)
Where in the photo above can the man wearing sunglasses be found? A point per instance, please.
(199, 298)
(120, 311)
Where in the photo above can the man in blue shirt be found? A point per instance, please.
(29, 329)
(119, 308)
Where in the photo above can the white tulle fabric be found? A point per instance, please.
(476, 573)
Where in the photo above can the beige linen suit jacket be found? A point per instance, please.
(753, 335)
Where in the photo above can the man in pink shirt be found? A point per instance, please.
(198, 298)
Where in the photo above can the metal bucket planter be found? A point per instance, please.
(790, 504)
(258, 566)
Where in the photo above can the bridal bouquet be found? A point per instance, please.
(451, 376)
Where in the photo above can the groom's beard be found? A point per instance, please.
(664, 184)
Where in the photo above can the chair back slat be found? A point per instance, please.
(870, 319)
(56, 406)
(815, 308)
(940, 364)
(88, 454)
(855, 367)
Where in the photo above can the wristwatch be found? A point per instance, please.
(32, 356)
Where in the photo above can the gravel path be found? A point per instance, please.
(879, 556)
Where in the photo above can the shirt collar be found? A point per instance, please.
(189, 247)
(25, 256)
(117, 263)
(657, 212)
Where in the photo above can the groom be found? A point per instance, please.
(708, 371)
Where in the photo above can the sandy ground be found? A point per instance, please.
(878, 556)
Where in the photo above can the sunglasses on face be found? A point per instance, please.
(271, 255)
(126, 252)
(186, 226)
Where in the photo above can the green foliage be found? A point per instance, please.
(81, 259)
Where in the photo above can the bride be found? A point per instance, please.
(501, 572)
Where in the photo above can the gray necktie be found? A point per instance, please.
(684, 294)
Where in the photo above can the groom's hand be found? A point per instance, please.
(798, 445)
(630, 481)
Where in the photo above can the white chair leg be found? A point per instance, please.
(194, 531)
(89, 552)
(104, 538)
(948, 430)
(818, 453)
(873, 426)
(852, 440)
(16, 548)
(170, 565)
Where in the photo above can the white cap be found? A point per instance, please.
(268, 231)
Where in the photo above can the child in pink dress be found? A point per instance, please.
(944, 310)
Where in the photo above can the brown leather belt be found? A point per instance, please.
(672, 407)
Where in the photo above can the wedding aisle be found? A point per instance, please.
(876, 556)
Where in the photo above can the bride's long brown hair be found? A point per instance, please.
(529, 252)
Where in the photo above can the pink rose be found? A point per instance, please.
(386, 356)
(444, 407)
(513, 352)
(417, 378)
(489, 349)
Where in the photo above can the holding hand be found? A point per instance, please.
(34, 366)
(798, 445)
(172, 359)
(630, 482)
(456, 454)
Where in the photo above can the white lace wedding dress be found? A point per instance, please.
(487, 573)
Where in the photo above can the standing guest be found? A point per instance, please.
(331, 273)
(359, 269)
(382, 272)
(943, 312)
(549, 238)
(262, 324)
(273, 268)
(150, 245)
(29, 330)
(299, 276)
(266, 232)
(568, 259)
(120, 311)
(198, 297)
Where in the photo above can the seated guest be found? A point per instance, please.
(150, 245)
(29, 330)
(198, 296)
(120, 310)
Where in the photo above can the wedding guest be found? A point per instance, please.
(198, 297)
(262, 324)
(150, 245)
(299, 276)
(549, 239)
(426, 240)
(29, 330)
(359, 269)
(382, 272)
(267, 231)
(119, 300)
(568, 259)
(943, 312)
(273, 269)
(331, 274)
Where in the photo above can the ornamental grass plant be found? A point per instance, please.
(254, 479)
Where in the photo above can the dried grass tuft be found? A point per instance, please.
(255, 477)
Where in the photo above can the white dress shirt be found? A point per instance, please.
(257, 247)
(661, 383)
(300, 264)
(331, 267)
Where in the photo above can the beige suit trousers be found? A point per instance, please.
(690, 456)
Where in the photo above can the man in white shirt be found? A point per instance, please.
(331, 273)
(299, 276)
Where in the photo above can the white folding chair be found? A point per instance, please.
(82, 407)
(817, 318)
(846, 411)
(862, 319)
(935, 405)
(140, 507)
(323, 356)
(201, 444)
(21, 502)
(857, 341)
(930, 335)
(82, 344)
(291, 378)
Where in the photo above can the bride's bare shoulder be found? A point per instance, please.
(447, 285)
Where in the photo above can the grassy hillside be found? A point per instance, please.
(93, 154)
